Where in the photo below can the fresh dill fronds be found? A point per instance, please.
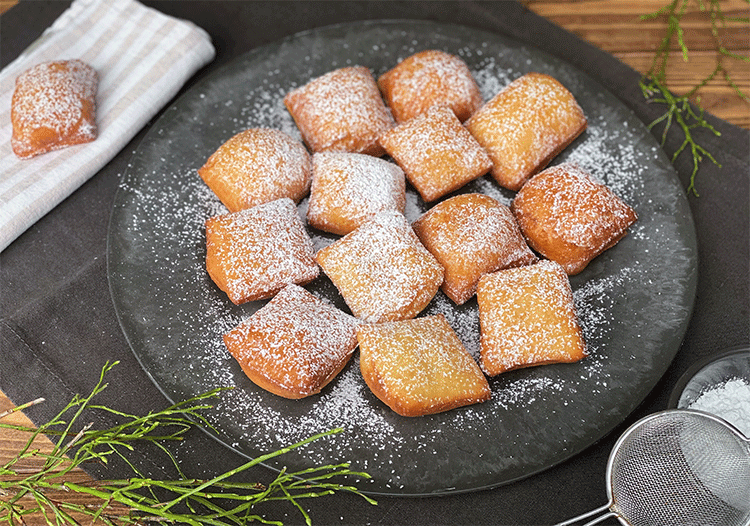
(220, 501)
(679, 109)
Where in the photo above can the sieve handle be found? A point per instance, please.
(589, 514)
(600, 518)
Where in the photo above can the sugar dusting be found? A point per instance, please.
(419, 366)
(525, 123)
(382, 270)
(471, 235)
(429, 78)
(253, 253)
(256, 166)
(347, 402)
(436, 152)
(542, 325)
(300, 361)
(340, 111)
(350, 188)
(53, 106)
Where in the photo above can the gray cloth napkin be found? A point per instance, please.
(143, 58)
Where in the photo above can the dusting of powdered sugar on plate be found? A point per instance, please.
(347, 402)
(179, 337)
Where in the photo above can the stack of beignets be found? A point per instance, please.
(386, 270)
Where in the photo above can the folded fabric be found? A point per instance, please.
(143, 57)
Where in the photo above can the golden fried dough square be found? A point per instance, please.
(382, 270)
(53, 106)
(527, 317)
(295, 344)
(436, 152)
(350, 188)
(430, 78)
(253, 253)
(419, 366)
(525, 126)
(471, 235)
(257, 166)
(341, 111)
(569, 217)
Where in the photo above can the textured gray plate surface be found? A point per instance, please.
(634, 301)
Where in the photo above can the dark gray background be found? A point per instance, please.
(59, 327)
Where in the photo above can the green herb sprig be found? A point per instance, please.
(216, 502)
(679, 110)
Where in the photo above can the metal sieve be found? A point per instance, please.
(677, 467)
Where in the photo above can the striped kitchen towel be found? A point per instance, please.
(143, 57)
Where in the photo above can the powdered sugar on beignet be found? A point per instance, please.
(527, 317)
(419, 366)
(348, 189)
(253, 253)
(569, 217)
(256, 166)
(382, 270)
(436, 152)
(295, 344)
(341, 111)
(430, 78)
(525, 126)
(53, 106)
(471, 235)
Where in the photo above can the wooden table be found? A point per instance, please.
(614, 26)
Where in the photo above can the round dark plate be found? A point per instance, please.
(634, 301)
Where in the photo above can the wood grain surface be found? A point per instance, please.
(614, 26)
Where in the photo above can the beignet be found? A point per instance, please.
(525, 126)
(253, 253)
(53, 107)
(341, 111)
(382, 270)
(430, 78)
(295, 344)
(419, 367)
(438, 155)
(569, 217)
(257, 166)
(527, 317)
(471, 235)
(350, 188)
